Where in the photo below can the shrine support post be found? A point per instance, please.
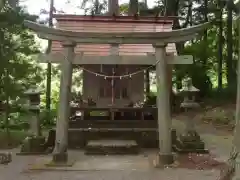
(61, 143)
(163, 105)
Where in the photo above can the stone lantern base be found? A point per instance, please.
(33, 145)
(162, 160)
(190, 142)
(60, 158)
(5, 158)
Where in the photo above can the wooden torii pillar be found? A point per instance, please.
(159, 40)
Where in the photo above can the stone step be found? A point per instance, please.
(107, 147)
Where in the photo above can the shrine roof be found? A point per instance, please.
(116, 24)
(115, 19)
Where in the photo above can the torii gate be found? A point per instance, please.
(159, 40)
(114, 67)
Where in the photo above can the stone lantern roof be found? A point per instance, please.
(188, 87)
(32, 91)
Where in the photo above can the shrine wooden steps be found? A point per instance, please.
(79, 137)
(111, 147)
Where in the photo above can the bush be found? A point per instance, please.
(13, 139)
(48, 118)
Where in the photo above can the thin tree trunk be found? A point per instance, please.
(236, 140)
(6, 123)
(13, 3)
(96, 7)
(230, 74)
(133, 7)
(146, 3)
(147, 82)
(49, 66)
(191, 16)
(113, 7)
(220, 49)
(2, 4)
(205, 33)
(7, 106)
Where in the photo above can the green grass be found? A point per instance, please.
(12, 140)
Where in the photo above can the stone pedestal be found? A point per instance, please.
(162, 160)
(60, 158)
(5, 158)
(34, 121)
(33, 145)
(190, 142)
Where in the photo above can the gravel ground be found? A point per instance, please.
(219, 143)
(15, 171)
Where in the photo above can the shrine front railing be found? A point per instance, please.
(113, 117)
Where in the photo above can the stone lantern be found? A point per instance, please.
(189, 140)
(35, 143)
(189, 104)
(33, 106)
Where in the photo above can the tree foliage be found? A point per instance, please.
(210, 49)
(18, 70)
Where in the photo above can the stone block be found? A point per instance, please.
(105, 147)
(33, 145)
(5, 158)
(60, 158)
(189, 142)
(163, 160)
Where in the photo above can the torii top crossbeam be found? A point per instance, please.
(173, 36)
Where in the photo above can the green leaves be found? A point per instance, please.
(18, 70)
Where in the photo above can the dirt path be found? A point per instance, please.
(15, 169)
(219, 142)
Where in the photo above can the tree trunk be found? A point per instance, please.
(147, 82)
(49, 66)
(13, 3)
(7, 104)
(171, 9)
(113, 7)
(96, 7)
(220, 48)
(236, 140)
(229, 63)
(6, 123)
(146, 3)
(205, 33)
(133, 7)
